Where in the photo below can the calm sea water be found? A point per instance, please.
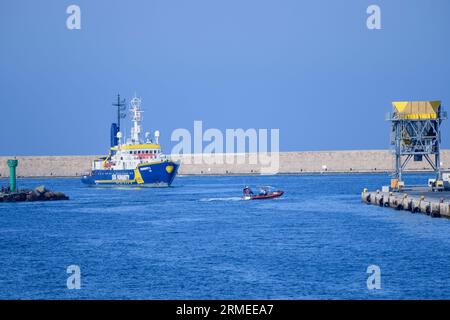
(197, 240)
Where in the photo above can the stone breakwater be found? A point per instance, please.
(38, 194)
(309, 162)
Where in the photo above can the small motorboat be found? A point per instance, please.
(265, 192)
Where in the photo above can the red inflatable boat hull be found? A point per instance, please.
(270, 195)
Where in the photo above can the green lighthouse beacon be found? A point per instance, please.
(12, 164)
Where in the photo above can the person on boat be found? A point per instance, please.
(263, 192)
(247, 191)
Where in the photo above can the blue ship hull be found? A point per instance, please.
(146, 175)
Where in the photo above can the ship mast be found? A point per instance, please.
(120, 107)
(137, 118)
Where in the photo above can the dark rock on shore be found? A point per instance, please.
(40, 189)
(38, 194)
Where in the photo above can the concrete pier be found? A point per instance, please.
(413, 199)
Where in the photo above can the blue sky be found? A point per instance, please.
(310, 68)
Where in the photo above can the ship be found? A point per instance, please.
(135, 161)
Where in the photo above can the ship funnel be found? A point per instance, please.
(114, 131)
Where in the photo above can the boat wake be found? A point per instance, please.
(221, 199)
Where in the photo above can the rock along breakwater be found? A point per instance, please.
(38, 194)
